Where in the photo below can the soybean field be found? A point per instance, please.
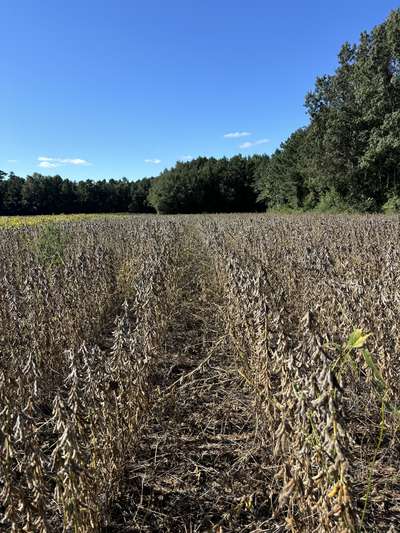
(200, 373)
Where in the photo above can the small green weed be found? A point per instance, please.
(50, 245)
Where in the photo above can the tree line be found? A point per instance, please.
(38, 194)
(201, 185)
(208, 185)
(346, 159)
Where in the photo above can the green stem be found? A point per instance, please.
(372, 465)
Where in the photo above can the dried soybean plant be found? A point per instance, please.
(308, 306)
(79, 340)
(300, 293)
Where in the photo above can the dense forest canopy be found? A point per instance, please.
(201, 185)
(38, 194)
(346, 159)
(208, 185)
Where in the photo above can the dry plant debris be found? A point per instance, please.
(201, 373)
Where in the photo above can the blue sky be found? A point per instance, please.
(112, 88)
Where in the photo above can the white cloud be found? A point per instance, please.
(47, 164)
(58, 161)
(76, 161)
(153, 161)
(186, 158)
(12, 161)
(249, 144)
(237, 134)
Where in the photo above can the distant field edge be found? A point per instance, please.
(18, 221)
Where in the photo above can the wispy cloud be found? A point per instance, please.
(237, 134)
(153, 161)
(186, 158)
(249, 144)
(47, 164)
(12, 161)
(53, 162)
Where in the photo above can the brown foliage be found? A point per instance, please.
(83, 339)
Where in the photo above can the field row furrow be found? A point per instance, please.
(209, 373)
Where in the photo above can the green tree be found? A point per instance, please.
(139, 192)
(207, 185)
(12, 198)
(281, 181)
(355, 120)
(3, 175)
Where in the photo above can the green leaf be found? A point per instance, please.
(372, 365)
(357, 339)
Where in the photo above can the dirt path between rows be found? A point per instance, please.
(198, 462)
(198, 465)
